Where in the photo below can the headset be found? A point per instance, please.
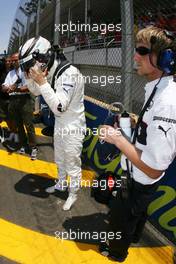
(166, 59)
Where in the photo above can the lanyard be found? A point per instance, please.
(130, 170)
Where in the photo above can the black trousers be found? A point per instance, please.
(128, 216)
(21, 111)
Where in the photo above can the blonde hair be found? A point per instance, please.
(162, 41)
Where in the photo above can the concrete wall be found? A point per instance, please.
(110, 56)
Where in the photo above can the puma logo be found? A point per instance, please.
(165, 131)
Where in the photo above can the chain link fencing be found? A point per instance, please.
(150, 12)
(104, 55)
(95, 49)
(111, 55)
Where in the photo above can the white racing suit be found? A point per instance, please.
(67, 103)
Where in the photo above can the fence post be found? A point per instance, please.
(127, 21)
(57, 22)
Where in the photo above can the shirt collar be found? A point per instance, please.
(151, 85)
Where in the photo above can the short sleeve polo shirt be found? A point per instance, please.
(157, 131)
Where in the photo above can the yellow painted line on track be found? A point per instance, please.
(30, 247)
(38, 167)
(37, 129)
(25, 164)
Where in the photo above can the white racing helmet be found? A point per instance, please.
(35, 49)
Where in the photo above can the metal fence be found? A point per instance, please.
(112, 55)
(104, 56)
(97, 53)
(150, 12)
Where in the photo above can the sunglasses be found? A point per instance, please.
(143, 51)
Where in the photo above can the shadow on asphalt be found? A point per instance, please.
(34, 185)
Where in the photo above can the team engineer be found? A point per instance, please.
(155, 146)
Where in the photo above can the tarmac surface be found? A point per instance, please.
(32, 222)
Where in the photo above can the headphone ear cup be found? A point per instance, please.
(51, 57)
(166, 61)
